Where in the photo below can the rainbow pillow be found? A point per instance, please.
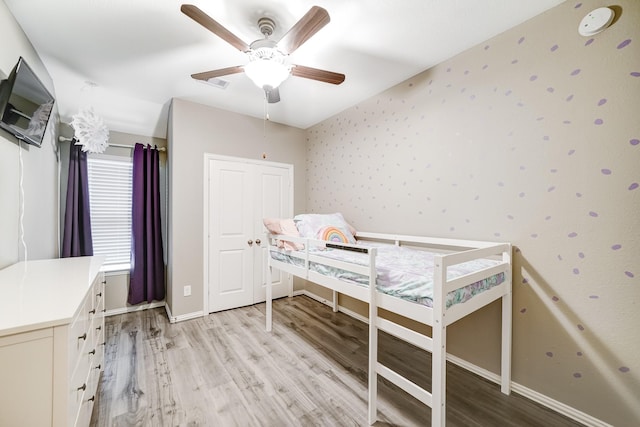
(309, 225)
(335, 234)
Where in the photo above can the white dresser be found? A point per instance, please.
(51, 341)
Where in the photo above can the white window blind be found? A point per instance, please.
(110, 188)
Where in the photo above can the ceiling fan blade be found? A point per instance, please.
(214, 26)
(317, 74)
(273, 95)
(206, 75)
(307, 26)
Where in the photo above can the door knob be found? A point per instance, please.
(250, 242)
(258, 241)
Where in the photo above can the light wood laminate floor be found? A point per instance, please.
(225, 370)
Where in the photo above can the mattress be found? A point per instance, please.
(401, 272)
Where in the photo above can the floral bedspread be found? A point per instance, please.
(404, 272)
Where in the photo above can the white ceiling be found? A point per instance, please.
(128, 59)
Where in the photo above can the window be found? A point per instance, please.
(110, 189)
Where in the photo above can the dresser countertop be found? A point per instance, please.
(44, 293)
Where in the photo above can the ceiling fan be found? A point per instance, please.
(268, 65)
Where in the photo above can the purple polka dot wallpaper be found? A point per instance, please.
(533, 138)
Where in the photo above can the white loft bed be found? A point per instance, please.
(447, 254)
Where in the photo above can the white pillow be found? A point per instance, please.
(309, 225)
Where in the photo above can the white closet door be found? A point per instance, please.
(240, 195)
(273, 198)
(231, 223)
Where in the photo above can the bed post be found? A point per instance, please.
(505, 368)
(268, 284)
(439, 354)
(373, 339)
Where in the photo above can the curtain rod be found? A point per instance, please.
(65, 139)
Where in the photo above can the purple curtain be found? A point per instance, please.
(147, 264)
(77, 220)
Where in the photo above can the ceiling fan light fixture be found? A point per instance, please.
(269, 64)
(267, 68)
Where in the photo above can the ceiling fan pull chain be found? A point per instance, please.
(264, 124)
(266, 104)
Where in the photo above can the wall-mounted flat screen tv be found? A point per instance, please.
(25, 104)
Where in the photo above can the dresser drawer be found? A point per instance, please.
(98, 293)
(84, 380)
(80, 412)
(84, 415)
(100, 341)
(78, 384)
(85, 354)
(79, 332)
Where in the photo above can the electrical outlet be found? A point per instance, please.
(187, 291)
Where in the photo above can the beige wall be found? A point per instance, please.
(532, 138)
(40, 170)
(193, 131)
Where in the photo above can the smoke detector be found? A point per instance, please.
(596, 21)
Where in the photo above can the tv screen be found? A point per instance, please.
(25, 104)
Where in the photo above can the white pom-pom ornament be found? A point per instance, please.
(90, 131)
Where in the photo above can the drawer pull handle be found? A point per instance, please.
(92, 311)
(99, 367)
(92, 398)
(104, 343)
(99, 328)
(83, 336)
(83, 388)
(92, 352)
(99, 294)
(104, 282)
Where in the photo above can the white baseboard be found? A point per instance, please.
(530, 394)
(134, 308)
(155, 304)
(182, 317)
(559, 407)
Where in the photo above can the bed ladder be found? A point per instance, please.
(436, 345)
